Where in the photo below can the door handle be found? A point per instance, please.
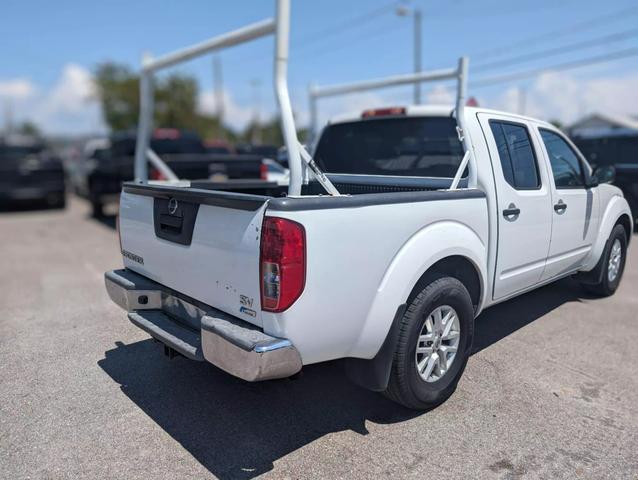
(560, 207)
(511, 212)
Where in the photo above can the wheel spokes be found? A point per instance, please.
(428, 337)
(448, 322)
(448, 349)
(428, 324)
(451, 335)
(427, 351)
(442, 361)
(437, 343)
(429, 366)
(438, 319)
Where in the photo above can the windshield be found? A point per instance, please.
(404, 146)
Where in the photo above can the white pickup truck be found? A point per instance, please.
(425, 232)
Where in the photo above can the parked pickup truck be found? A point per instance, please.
(431, 215)
(100, 176)
(391, 274)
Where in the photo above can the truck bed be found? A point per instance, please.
(209, 247)
(346, 184)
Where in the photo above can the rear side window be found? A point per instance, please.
(516, 154)
(566, 166)
(402, 146)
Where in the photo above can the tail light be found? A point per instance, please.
(282, 263)
(383, 112)
(155, 174)
(263, 171)
(166, 134)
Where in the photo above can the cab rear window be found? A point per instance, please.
(402, 146)
(516, 153)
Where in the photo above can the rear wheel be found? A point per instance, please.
(97, 208)
(613, 263)
(434, 343)
(56, 200)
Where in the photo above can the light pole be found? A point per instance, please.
(256, 133)
(404, 11)
(219, 95)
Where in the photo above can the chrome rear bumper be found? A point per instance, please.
(200, 332)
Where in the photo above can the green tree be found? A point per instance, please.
(175, 101)
(175, 106)
(270, 132)
(118, 92)
(30, 129)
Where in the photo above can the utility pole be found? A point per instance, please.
(417, 54)
(8, 117)
(256, 133)
(522, 97)
(416, 14)
(219, 95)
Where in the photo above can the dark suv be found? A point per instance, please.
(29, 172)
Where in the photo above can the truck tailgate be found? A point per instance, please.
(202, 243)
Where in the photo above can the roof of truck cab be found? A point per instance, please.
(432, 111)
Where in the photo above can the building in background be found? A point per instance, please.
(601, 125)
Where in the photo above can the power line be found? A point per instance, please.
(561, 32)
(484, 82)
(348, 24)
(344, 26)
(595, 42)
(364, 36)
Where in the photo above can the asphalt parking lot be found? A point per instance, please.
(550, 392)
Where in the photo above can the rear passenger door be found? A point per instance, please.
(523, 204)
(575, 207)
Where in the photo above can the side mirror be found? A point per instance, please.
(604, 174)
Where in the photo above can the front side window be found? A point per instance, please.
(566, 166)
(516, 154)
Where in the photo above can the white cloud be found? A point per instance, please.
(68, 107)
(71, 106)
(235, 116)
(561, 96)
(18, 89)
(73, 91)
(440, 95)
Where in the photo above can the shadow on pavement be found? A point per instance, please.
(504, 319)
(108, 220)
(238, 429)
(21, 206)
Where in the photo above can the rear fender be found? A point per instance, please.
(426, 247)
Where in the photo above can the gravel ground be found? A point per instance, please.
(550, 392)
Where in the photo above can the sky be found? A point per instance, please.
(519, 53)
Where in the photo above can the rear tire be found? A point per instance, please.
(613, 265)
(421, 388)
(57, 200)
(97, 208)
